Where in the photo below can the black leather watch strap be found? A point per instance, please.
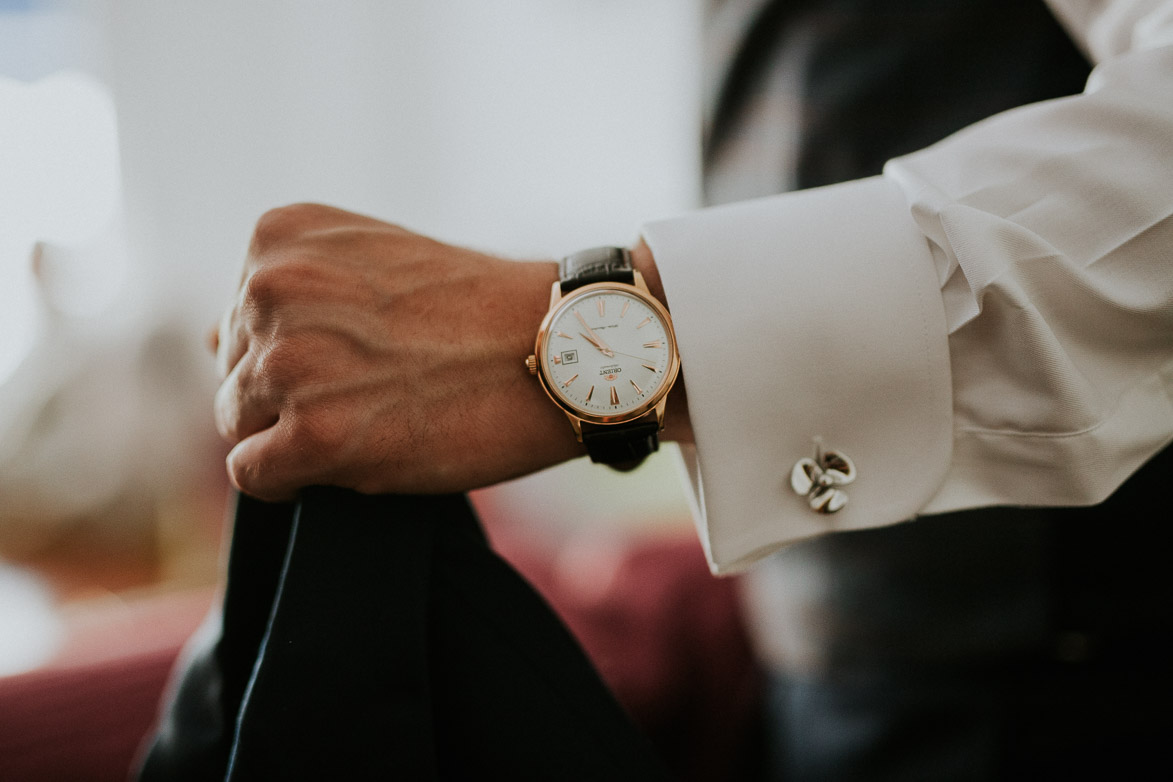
(622, 446)
(599, 264)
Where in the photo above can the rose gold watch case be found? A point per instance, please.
(654, 404)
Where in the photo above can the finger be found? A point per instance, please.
(212, 339)
(232, 341)
(244, 404)
(264, 466)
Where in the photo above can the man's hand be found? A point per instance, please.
(359, 354)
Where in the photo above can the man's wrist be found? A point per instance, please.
(677, 425)
(643, 262)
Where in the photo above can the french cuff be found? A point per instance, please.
(811, 316)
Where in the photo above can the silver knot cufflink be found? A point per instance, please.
(819, 479)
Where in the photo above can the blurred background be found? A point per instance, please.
(140, 141)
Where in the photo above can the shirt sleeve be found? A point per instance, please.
(990, 322)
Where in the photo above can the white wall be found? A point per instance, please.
(528, 127)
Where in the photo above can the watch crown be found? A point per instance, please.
(531, 363)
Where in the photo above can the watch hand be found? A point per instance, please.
(606, 351)
(599, 343)
(630, 355)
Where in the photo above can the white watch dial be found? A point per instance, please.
(607, 353)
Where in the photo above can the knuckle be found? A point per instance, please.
(225, 411)
(263, 289)
(280, 367)
(320, 436)
(294, 281)
(279, 225)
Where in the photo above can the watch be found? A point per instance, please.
(606, 355)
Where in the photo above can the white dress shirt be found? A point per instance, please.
(990, 322)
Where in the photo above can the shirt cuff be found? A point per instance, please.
(814, 314)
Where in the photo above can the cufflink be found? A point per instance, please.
(819, 479)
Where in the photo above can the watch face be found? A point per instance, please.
(608, 353)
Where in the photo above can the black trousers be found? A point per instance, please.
(379, 637)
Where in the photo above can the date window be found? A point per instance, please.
(570, 357)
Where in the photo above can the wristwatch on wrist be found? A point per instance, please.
(606, 354)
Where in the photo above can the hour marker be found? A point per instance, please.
(655, 344)
(602, 306)
(648, 366)
(623, 311)
(563, 335)
(590, 393)
(571, 380)
(614, 396)
(638, 390)
(558, 360)
(644, 322)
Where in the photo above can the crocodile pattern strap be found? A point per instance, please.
(599, 264)
(622, 446)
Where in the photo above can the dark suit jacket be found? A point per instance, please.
(380, 637)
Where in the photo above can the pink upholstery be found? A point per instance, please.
(665, 635)
(82, 717)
